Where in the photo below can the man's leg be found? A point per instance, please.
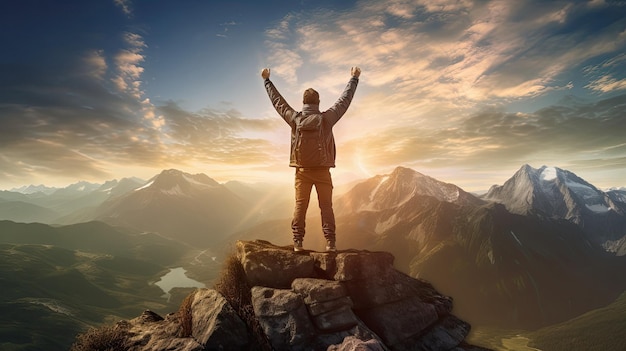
(324, 188)
(303, 187)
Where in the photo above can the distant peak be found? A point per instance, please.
(170, 178)
(526, 168)
(404, 171)
(171, 172)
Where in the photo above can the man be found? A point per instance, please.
(312, 152)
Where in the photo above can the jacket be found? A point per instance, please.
(309, 120)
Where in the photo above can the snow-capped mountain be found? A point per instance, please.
(552, 192)
(119, 187)
(32, 189)
(66, 205)
(556, 193)
(398, 188)
(193, 208)
(81, 208)
(75, 189)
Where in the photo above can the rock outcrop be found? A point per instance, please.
(349, 300)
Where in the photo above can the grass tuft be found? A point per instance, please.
(184, 315)
(106, 338)
(233, 285)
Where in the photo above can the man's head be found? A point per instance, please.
(311, 97)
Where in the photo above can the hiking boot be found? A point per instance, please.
(330, 246)
(297, 245)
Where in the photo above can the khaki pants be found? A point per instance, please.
(305, 179)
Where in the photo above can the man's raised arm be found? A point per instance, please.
(341, 106)
(280, 104)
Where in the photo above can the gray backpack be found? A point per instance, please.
(309, 141)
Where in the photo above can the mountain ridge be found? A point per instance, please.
(556, 193)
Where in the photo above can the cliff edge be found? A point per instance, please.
(271, 298)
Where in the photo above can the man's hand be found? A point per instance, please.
(355, 71)
(265, 73)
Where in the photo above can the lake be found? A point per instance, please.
(176, 278)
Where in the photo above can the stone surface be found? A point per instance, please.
(400, 320)
(318, 290)
(318, 308)
(215, 325)
(283, 317)
(151, 332)
(339, 319)
(352, 343)
(447, 334)
(362, 265)
(269, 302)
(272, 266)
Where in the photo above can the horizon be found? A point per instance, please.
(464, 92)
(288, 184)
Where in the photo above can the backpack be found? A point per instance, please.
(309, 141)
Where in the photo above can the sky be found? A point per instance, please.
(465, 91)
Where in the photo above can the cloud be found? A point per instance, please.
(573, 134)
(69, 120)
(217, 137)
(125, 6)
(225, 28)
(607, 84)
(285, 59)
(95, 64)
(602, 77)
(461, 52)
(128, 65)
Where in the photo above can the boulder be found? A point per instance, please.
(334, 297)
(214, 326)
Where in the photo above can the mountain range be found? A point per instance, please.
(526, 270)
(542, 248)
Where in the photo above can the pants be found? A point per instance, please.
(305, 179)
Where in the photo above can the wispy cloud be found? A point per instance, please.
(125, 6)
(128, 65)
(95, 64)
(226, 28)
(602, 75)
(458, 51)
(284, 56)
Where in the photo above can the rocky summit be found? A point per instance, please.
(282, 300)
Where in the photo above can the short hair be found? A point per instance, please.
(311, 97)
